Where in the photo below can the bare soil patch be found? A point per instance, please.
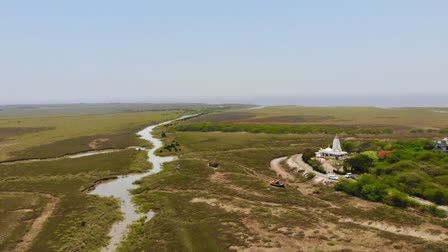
(437, 234)
(226, 206)
(97, 143)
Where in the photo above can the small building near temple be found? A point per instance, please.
(441, 145)
(335, 152)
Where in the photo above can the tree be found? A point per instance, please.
(358, 164)
(372, 155)
(365, 147)
(307, 155)
(348, 146)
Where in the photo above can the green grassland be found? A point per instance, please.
(72, 134)
(54, 131)
(16, 213)
(200, 208)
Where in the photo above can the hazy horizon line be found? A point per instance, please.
(375, 100)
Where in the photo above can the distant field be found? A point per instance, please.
(56, 130)
(360, 116)
(61, 135)
(106, 108)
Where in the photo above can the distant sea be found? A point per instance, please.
(384, 101)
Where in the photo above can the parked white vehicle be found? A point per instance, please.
(333, 177)
(351, 176)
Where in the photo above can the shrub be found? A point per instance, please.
(316, 166)
(374, 192)
(435, 211)
(398, 199)
(436, 195)
(393, 159)
(348, 186)
(426, 156)
(310, 175)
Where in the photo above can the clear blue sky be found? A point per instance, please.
(97, 51)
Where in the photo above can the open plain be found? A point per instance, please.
(216, 196)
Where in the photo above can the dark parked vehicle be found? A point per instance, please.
(277, 183)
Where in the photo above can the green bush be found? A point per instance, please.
(358, 164)
(398, 199)
(436, 195)
(310, 175)
(347, 185)
(374, 192)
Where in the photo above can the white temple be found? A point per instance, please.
(335, 153)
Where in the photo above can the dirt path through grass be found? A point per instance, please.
(277, 167)
(37, 225)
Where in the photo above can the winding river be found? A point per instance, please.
(120, 187)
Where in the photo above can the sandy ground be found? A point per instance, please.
(327, 164)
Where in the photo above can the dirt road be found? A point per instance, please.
(277, 167)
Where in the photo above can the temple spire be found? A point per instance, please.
(336, 144)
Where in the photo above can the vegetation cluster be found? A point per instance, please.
(280, 129)
(173, 146)
(409, 168)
